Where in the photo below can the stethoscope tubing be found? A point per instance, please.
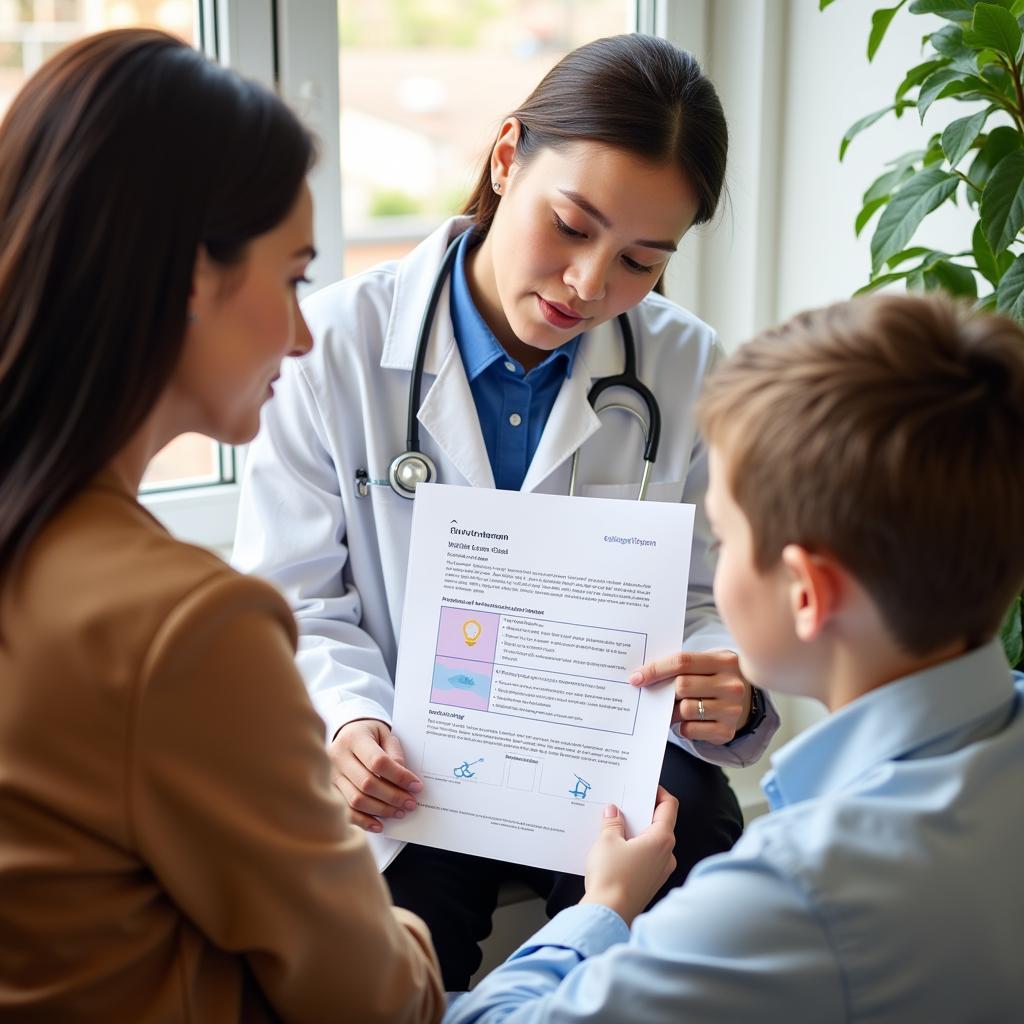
(413, 467)
(412, 423)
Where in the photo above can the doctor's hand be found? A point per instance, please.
(624, 874)
(369, 769)
(712, 697)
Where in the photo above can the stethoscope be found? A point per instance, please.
(412, 467)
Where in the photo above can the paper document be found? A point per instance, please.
(524, 615)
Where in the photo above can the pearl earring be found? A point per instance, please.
(496, 185)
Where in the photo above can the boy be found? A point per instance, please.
(868, 495)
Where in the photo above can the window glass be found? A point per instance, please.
(424, 86)
(30, 32)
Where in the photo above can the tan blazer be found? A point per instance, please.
(171, 846)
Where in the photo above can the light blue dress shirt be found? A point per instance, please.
(511, 405)
(887, 884)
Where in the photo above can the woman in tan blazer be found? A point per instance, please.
(163, 857)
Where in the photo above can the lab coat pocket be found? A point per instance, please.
(386, 521)
(670, 490)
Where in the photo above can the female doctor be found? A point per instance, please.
(589, 187)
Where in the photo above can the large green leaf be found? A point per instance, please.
(982, 58)
(914, 201)
(880, 282)
(948, 42)
(933, 154)
(933, 85)
(960, 134)
(951, 10)
(984, 258)
(1010, 634)
(884, 185)
(868, 210)
(950, 82)
(917, 74)
(999, 81)
(996, 28)
(951, 278)
(1002, 202)
(880, 21)
(865, 122)
(998, 143)
(822, 4)
(1010, 292)
(912, 254)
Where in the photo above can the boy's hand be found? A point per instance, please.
(704, 680)
(369, 770)
(624, 874)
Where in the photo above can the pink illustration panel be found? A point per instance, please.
(464, 633)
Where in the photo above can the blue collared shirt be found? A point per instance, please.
(512, 406)
(885, 886)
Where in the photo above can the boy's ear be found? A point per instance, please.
(815, 588)
(503, 156)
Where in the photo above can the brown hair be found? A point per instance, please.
(888, 431)
(633, 92)
(119, 158)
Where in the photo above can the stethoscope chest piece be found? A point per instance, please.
(408, 470)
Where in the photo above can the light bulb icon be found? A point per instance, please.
(471, 631)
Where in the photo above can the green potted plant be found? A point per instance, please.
(975, 59)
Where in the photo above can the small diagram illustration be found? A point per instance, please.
(461, 684)
(465, 770)
(581, 789)
(457, 762)
(565, 779)
(471, 632)
(467, 633)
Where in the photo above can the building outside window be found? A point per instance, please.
(30, 32)
(424, 87)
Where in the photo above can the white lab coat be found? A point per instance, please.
(341, 559)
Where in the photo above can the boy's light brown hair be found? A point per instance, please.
(889, 432)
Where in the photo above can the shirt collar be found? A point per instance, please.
(477, 343)
(889, 723)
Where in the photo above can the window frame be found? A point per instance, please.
(290, 45)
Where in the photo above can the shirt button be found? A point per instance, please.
(515, 419)
(510, 366)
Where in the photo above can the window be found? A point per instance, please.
(433, 74)
(423, 88)
(32, 30)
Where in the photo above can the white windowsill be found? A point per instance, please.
(200, 515)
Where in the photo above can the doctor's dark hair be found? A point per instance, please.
(122, 156)
(633, 92)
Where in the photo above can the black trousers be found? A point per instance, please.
(456, 894)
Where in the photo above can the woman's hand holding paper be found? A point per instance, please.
(369, 770)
